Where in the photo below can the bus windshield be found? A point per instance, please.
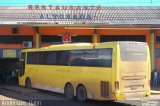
(133, 52)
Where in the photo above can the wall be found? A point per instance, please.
(22, 31)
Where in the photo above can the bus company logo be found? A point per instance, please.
(51, 7)
(149, 102)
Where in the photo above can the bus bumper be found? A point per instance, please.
(131, 95)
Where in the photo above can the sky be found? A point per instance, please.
(81, 2)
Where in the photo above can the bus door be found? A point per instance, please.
(21, 71)
(31, 67)
(134, 67)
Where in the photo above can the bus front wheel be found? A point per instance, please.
(69, 92)
(81, 94)
(28, 83)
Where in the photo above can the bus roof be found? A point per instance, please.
(78, 46)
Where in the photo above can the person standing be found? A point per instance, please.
(158, 78)
(155, 78)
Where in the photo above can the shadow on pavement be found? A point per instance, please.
(46, 98)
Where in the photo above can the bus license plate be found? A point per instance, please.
(133, 87)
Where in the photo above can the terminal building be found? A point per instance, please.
(36, 26)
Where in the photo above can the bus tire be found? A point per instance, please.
(69, 92)
(28, 83)
(81, 93)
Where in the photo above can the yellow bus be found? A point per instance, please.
(100, 71)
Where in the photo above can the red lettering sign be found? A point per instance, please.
(50, 7)
(57, 8)
(29, 7)
(66, 38)
(64, 7)
(43, 7)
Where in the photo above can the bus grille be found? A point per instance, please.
(105, 89)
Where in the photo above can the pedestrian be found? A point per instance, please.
(155, 78)
(159, 78)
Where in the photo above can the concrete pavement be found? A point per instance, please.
(18, 89)
(14, 90)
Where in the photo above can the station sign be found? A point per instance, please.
(9, 53)
(58, 15)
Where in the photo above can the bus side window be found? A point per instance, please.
(62, 57)
(106, 57)
(77, 58)
(51, 58)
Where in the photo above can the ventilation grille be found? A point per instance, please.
(105, 89)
